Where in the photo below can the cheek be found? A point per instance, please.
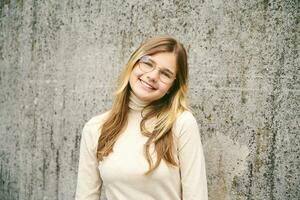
(136, 73)
(164, 88)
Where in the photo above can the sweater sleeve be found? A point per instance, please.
(89, 181)
(191, 159)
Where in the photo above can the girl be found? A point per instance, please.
(147, 147)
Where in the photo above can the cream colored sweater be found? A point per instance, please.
(121, 172)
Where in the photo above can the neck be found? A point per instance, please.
(135, 103)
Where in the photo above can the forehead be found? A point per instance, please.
(165, 60)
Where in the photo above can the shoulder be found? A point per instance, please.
(96, 120)
(91, 129)
(185, 120)
(185, 117)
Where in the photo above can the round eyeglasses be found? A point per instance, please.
(147, 65)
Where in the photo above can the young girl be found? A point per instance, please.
(147, 147)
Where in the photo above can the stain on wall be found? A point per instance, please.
(59, 61)
(226, 162)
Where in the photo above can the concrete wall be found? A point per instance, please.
(59, 61)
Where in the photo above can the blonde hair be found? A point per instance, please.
(165, 110)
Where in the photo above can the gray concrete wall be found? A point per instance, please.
(59, 61)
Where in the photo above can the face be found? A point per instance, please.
(148, 85)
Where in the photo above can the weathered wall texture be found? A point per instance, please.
(59, 61)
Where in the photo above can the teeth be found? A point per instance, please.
(146, 84)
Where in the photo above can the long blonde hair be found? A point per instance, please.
(164, 110)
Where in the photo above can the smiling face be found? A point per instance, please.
(148, 85)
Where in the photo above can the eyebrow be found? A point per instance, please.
(163, 68)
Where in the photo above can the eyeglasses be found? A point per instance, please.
(147, 65)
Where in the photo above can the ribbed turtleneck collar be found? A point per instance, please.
(136, 103)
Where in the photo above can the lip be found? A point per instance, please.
(144, 83)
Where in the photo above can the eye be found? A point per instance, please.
(148, 64)
(166, 74)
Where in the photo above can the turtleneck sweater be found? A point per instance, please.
(136, 104)
(122, 171)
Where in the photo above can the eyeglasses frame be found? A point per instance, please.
(154, 68)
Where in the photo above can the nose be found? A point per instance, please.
(153, 75)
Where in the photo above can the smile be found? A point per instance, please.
(146, 85)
